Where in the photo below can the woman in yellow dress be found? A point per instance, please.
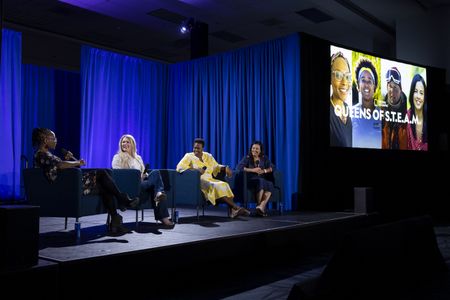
(213, 189)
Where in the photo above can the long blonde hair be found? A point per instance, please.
(124, 160)
(133, 145)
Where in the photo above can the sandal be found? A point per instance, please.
(260, 212)
(167, 222)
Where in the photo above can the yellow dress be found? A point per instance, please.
(213, 189)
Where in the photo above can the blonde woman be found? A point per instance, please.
(128, 158)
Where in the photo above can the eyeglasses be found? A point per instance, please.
(340, 75)
(393, 75)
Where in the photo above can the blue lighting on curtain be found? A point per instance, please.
(122, 94)
(10, 110)
(235, 98)
(38, 104)
(229, 99)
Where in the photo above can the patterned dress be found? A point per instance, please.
(212, 188)
(48, 162)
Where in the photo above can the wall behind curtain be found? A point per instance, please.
(10, 112)
(68, 110)
(122, 94)
(235, 98)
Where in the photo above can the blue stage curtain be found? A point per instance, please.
(38, 104)
(10, 110)
(235, 98)
(122, 94)
(229, 99)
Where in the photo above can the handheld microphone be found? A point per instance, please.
(67, 154)
(147, 168)
(257, 163)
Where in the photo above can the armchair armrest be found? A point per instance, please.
(187, 187)
(230, 180)
(60, 198)
(278, 179)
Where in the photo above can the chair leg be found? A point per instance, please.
(173, 212)
(108, 222)
(65, 223)
(137, 218)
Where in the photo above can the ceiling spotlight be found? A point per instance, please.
(187, 25)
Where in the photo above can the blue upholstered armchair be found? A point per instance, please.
(188, 192)
(129, 181)
(246, 195)
(64, 197)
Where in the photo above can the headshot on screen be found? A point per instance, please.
(340, 119)
(366, 114)
(394, 130)
(417, 114)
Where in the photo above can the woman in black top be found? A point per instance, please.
(259, 169)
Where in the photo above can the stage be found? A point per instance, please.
(174, 257)
(59, 245)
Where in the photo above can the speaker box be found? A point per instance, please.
(363, 200)
(19, 236)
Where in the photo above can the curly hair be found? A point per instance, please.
(200, 141)
(364, 63)
(38, 136)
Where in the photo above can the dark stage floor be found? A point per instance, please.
(59, 245)
(248, 257)
(214, 257)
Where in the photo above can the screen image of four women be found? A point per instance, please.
(374, 124)
(256, 164)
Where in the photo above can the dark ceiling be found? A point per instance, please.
(150, 28)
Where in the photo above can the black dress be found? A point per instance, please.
(255, 181)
